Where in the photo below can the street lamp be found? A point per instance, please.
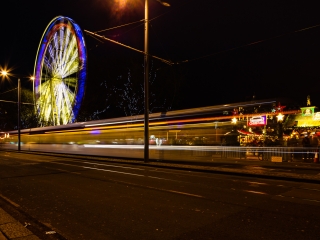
(280, 118)
(4, 73)
(146, 77)
(234, 120)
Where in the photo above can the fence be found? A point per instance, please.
(268, 153)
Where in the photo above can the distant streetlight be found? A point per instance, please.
(4, 73)
(234, 120)
(146, 77)
(280, 118)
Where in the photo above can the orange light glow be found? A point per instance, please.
(4, 73)
(121, 4)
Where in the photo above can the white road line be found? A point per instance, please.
(139, 175)
(184, 193)
(109, 165)
(256, 192)
(99, 169)
(12, 202)
(258, 183)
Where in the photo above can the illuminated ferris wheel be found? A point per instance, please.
(60, 72)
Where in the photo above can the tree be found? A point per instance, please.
(129, 92)
(9, 110)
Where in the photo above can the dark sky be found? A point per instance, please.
(236, 49)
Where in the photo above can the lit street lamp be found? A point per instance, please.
(4, 73)
(146, 77)
(280, 118)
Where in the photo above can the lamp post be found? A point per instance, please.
(280, 118)
(146, 77)
(146, 81)
(19, 113)
(5, 74)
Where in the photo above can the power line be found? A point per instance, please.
(123, 25)
(249, 44)
(123, 45)
(8, 91)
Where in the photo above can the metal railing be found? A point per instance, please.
(286, 154)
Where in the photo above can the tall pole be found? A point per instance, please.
(19, 117)
(146, 81)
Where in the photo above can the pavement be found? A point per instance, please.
(296, 170)
(10, 228)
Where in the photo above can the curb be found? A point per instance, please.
(10, 228)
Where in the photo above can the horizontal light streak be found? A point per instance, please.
(196, 119)
(256, 192)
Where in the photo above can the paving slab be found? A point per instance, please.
(12, 229)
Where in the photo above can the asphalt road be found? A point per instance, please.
(86, 199)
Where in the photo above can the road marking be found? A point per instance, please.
(258, 183)
(262, 193)
(109, 165)
(139, 175)
(99, 169)
(12, 202)
(105, 170)
(312, 189)
(184, 193)
(297, 198)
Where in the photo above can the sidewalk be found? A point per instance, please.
(12, 229)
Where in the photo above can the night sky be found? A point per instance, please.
(235, 49)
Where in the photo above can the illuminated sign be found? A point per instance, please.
(257, 121)
(307, 111)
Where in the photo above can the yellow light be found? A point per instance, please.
(4, 73)
(234, 120)
(32, 78)
(280, 117)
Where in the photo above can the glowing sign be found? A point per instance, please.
(307, 111)
(257, 121)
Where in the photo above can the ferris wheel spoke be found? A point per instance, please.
(45, 102)
(70, 67)
(63, 44)
(71, 60)
(70, 81)
(64, 99)
(56, 49)
(47, 65)
(49, 56)
(66, 49)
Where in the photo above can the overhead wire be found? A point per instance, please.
(123, 45)
(248, 44)
(8, 91)
(123, 25)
